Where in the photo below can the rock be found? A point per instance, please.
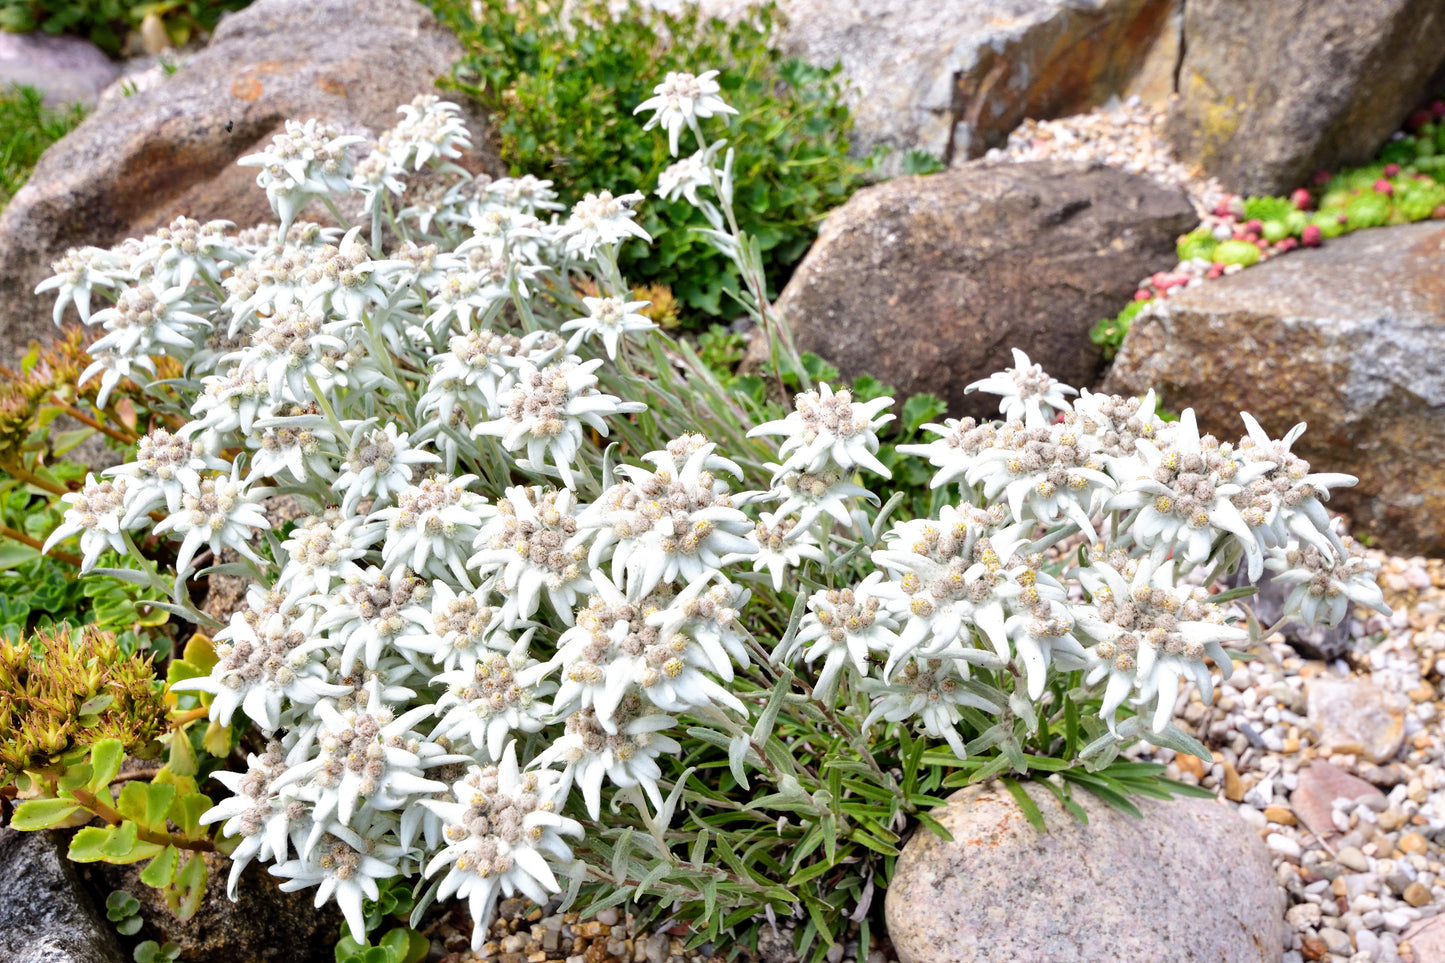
(1319, 785)
(1346, 337)
(1427, 939)
(1269, 93)
(1311, 641)
(1112, 889)
(1352, 715)
(137, 163)
(927, 282)
(67, 70)
(264, 925)
(953, 77)
(45, 915)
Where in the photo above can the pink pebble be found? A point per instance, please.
(1311, 236)
(1301, 199)
(1383, 186)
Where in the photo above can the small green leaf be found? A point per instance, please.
(129, 926)
(1030, 808)
(41, 813)
(189, 886)
(85, 845)
(105, 759)
(162, 869)
(182, 759)
(217, 740)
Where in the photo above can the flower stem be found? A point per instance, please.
(111, 815)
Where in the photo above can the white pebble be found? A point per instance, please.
(1283, 845)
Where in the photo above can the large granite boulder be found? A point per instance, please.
(953, 77)
(137, 163)
(45, 914)
(926, 283)
(1272, 92)
(1348, 338)
(1189, 882)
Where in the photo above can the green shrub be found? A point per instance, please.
(27, 128)
(563, 94)
(106, 22)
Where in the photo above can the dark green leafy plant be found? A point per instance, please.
(106, 22)
(152, 952)
(27, 128)
(123, 909)
(563, 94)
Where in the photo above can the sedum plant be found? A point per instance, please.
(566, 614)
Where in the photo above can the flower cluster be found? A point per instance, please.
(480, 608)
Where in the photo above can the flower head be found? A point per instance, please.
(681, 99)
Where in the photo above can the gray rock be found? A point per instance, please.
(139, 162)
(927, 282)
(1188, 882)
(1353, 715)
(953, 77)
(1272, 92)
(67, 70)
(1347, 338)
(45, 915)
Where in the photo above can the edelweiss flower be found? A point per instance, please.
(830, 428)
(345, 866)
(610, 318)
(165, 467)
(96, 512)
(220, 513)
(812, 495)
(430, 128)
(309, 160)
(379, 465)
(1325, 583)
(680, 100)
(601, 219)
(777, 547)
(261, 818)
(499, 831)
(373, 611)
(322, 549)
(465, 628)
(1026, 390)
(675, 523)
(1149, 632)
(545, 410)
(684, 177)
(845, 625)
(265, 655)
(930, 689)
(626, 757)
(176, 254)
(1046, 473)
(532, 545)
(489, 699)
(148, 319)
(1288, 498)
(77, 273)
(431, 528)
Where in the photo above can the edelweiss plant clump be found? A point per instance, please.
(484, 607)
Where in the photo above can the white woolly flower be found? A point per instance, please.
(842, 626)
(545, 411)
(626, 757)
(499, 832)
(297, 442)
(97, 513)
(1325, 583)
(430, 128)
(149, 319)
(1288, 499)
(830, 428)
(465, 628)
(608, 319)
(265, 655)
(344, 866)
(165, 466)
(681, 99)
(531, 544)
(674, 523)
(306, 161)
(262, 819)
(186, 248)
(80, 271)
(1150, 632)
(1186, 498)
(431, 527)
(491, 698)
(777, 547)
(1046, 473)
(929, 690)
(601, 219)
(373, 611)
(813, 495)
(220, 513)
(684, 177)
(479, 366)
(320, 550)
(1027, 391)
(229, 402)
(379, 465)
